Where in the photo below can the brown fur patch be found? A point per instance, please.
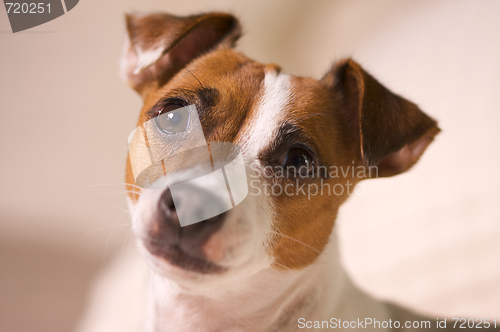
(237, 81)
(303, 226)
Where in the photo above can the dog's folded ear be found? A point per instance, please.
(159, 45)
(389, 131)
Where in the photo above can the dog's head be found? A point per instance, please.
(305, 143)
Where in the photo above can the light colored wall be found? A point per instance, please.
(427, 238)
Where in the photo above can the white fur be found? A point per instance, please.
(275, 95)
(148, 57)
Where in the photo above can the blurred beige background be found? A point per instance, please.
(428, 238)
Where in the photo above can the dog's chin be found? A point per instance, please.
(172, 262)
(181, 259)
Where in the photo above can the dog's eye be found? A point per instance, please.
(298, 162)
(173, 118)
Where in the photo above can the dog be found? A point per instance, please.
(271, 262)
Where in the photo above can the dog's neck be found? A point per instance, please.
(270, 300)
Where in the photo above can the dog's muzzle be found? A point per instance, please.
(183, 246)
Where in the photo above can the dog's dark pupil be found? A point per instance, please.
(299, 160)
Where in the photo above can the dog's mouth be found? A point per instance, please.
(176, 256)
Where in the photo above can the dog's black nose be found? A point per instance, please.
(166, 229)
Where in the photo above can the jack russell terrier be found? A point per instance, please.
(271, 262)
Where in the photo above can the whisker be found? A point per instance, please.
(126, 239)
(120, 208)
(109, 184)
(103, 228)
(195, 77)
(298, 241)
(128, 192)
(286, 267)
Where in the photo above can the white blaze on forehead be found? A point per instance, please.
(269, 113)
